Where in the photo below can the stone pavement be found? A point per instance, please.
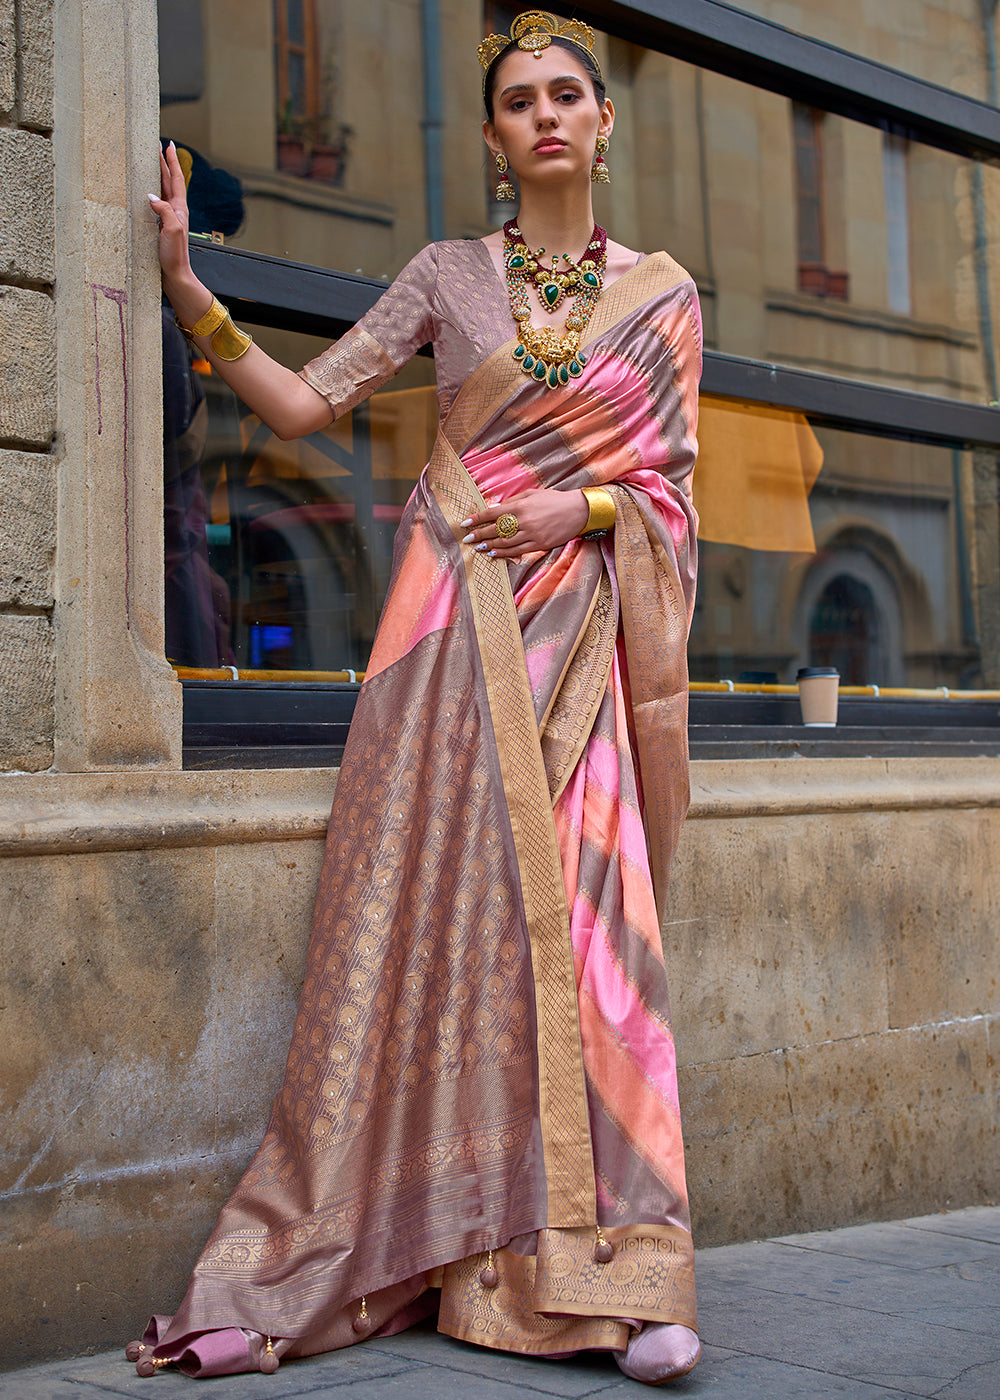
(874, 1312)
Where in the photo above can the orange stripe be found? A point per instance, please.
(647, 1120)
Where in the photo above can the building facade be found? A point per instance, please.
(831, 928)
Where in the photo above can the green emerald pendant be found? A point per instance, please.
(591, 279)
(540, 369)
(516, 262)
(563, 375)
(528, 363)
(551, 291)
(574, 369)
(553, 377)
(520, 352)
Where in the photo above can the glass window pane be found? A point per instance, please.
(825, 547)
(278, 554)
(296, 84)
(296, 21)
(941, 41)
(815, 241)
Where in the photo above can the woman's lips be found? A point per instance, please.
(544, 147)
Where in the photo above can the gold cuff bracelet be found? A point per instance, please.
(228, 342)
(602, 512)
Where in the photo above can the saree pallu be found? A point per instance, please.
(482, 1059)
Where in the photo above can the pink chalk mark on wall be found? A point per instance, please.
(121, 299)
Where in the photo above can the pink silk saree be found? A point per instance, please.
(483, 1057)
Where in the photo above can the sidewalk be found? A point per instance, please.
(875, 1312)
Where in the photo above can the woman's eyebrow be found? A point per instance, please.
(552, 82)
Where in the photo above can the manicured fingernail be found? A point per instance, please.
(467, 539)
(172, 144)
(151, 198)
(493, 554)
(481, 547)
(466, 523)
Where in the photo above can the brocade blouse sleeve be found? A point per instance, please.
(382, 342)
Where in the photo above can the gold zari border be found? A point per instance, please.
(563, 1111)
(562, 1298)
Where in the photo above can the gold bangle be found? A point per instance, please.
(211, 321)
(602, 510)
(229, 342)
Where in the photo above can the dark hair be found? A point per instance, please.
(215, 198)
(585, 60)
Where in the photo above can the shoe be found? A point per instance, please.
(661, 1352)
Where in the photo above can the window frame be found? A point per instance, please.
(271, 291)
(284, 47)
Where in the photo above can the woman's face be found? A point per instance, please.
(546, 118)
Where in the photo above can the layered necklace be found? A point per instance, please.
(552, 357)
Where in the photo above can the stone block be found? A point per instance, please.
(27, 366)
(109, 1026)
(853, 1129)
(37, 63)
(8, 58)
(746, 984)
(265, 896)
(27, 664)
(941, 910)
(740, 1146)
(27, 529)
(27, 230)
(146, 1011)
(905, 1117)
(150, 987)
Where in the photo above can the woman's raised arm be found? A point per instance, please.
(289, 406)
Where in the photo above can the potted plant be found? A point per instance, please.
(327, 159)
(292, 157)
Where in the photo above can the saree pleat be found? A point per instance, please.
(483, 1057)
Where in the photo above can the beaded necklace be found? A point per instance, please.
(552, 357)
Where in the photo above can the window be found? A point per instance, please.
(897, 215)
(848, 482)
(815, 278)
(296, 67)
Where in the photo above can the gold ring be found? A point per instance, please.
(507, 526)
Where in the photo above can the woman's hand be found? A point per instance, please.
(546, 518)
(289, 406)
(189, 297)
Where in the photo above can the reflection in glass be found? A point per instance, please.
(279, 554)
(815, 241)
(832, 548)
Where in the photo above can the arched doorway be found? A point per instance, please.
(844, 629)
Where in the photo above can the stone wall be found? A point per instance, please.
(27, 387)
(830, 941)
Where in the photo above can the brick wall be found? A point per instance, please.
(27, 386)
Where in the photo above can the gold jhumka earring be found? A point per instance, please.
(506, 193)
(599, 172)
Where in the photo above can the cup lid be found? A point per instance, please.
(807, 672)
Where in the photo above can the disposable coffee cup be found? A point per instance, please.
(818, 694)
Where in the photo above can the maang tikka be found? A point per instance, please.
(506, 194)
(599, 172)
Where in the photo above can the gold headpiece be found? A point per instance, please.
(534, 32)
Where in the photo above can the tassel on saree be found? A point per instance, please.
(488, 1276)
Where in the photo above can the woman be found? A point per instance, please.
(479, 1113)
